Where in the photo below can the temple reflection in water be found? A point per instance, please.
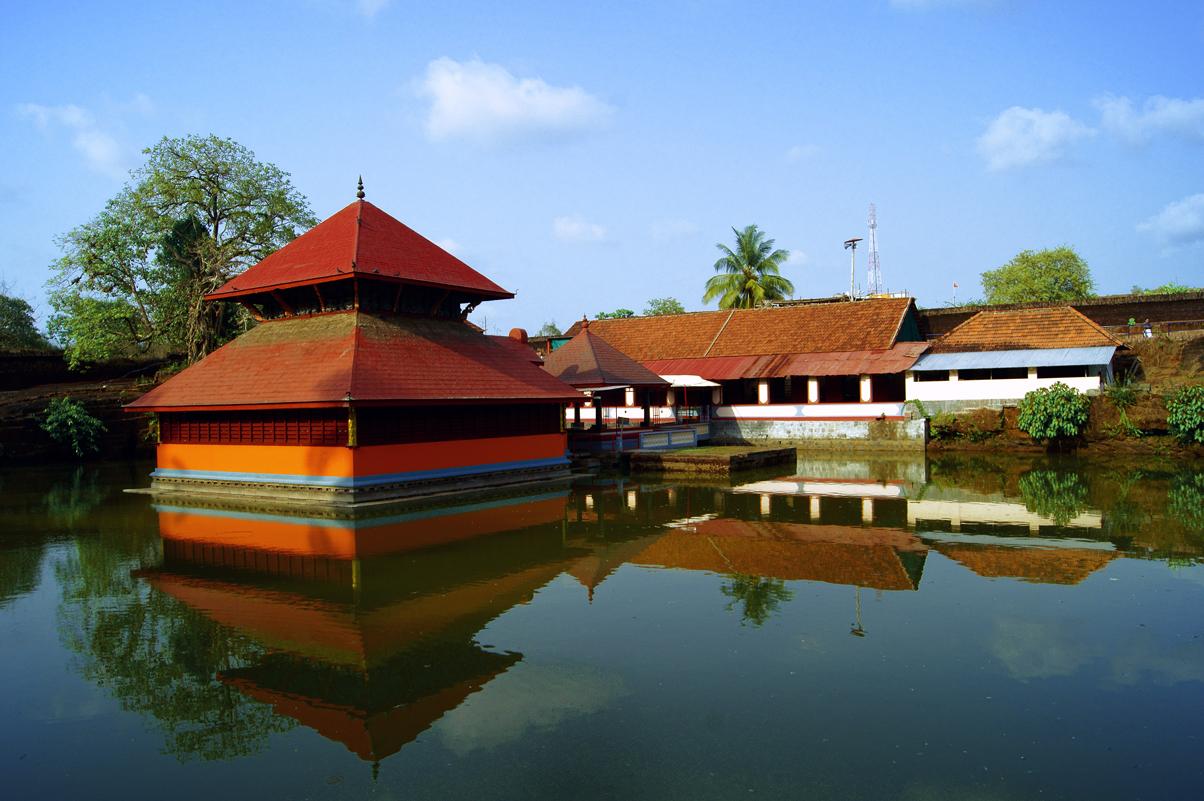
(371, 624)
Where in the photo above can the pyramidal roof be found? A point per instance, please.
(588, 360)
(365, 241)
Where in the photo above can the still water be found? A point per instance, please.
(952, 629)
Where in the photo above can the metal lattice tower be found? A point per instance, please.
(874, 279)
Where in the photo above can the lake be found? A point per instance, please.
(958, 628)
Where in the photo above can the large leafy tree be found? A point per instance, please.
(659, 306)
(199, 211)
(18, 331)
(1056, 274)
(750, 274)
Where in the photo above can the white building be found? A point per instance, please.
(999, 356)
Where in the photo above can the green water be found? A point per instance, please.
(956, 629)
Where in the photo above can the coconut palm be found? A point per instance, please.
(749, 275)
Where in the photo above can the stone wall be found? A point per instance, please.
(1107, 311)
(825, 434)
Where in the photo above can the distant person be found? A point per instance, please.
(1147, 329)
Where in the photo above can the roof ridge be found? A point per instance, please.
(722, 328)
(1098, 328)
(359, 223)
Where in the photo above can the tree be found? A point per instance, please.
(198, 212)
(749, 275)
(549, 329)
(1056, 413)
(1053, 275)
(18, 331)
(658, 306)
(617, 314)
(1169, 288)
(759, 597)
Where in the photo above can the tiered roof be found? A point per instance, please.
(587, 360)
(360, 240)
(339, 358)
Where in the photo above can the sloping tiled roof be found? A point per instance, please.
(332, 359)
(818, 328)
(362, 240)
(1038, 565)
(860, 362)
(1025, 329)
(864, 557)
(587, 360)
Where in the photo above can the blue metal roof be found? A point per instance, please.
(1045, 357)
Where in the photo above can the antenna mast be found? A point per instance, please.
(875, 270)
(851, 245)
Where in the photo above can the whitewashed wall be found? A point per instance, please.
(992, 389)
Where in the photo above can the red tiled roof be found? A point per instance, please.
(1025, 329)
(361, 240)
(587, 360)
(861, 362)
(1038, 565)
(518, 348)
(332, 359)
(864, 325)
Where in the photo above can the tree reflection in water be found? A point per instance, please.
(758, 597)
(1060, 496)
(156, 656)
(1185, 500)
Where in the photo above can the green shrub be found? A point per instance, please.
(1053, 413)
(943, 426)
(68, 423)
(1185, 414)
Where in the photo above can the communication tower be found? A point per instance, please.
(874, 279)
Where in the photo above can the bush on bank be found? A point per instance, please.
(1185, 414)
(1054, 413)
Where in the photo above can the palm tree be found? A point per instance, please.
(749, 275)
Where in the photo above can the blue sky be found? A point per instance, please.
(589, 156)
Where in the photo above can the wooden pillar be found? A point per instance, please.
(577, 413)
(762, 392)
(647, 408)
(867, 388)
(812, 390)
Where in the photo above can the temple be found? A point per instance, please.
(362, 379)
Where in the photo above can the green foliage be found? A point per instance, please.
(1169, 288)
(617, 314)
(548, 329)
(1185, 500)
(659, 306)
(17, 328)
(1054, 413)
(198, 212)
(1123, 394)
(68, 423)
(758, 597)
(943, 426)
(1053, 275)
(1056, 495)
(1185, 414)
(749, 275)
(918, 405)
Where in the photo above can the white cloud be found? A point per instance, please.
(577, 229)
(1157, 115)
(1020, 137)
(485, 103)
(798, 153)
(1179, 223)
(667, 230)
(450, 245)
(797, 258)
(529, 697)
(369, 8)
(99, 149)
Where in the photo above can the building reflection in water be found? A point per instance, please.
(369, 624)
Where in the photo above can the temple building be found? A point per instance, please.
(362, 379)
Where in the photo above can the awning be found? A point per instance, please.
(987, 359)
(898, 359)
(689, 381)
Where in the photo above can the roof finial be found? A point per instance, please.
(359, 189)
(584, 322)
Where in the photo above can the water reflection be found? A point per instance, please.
(516, 619)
